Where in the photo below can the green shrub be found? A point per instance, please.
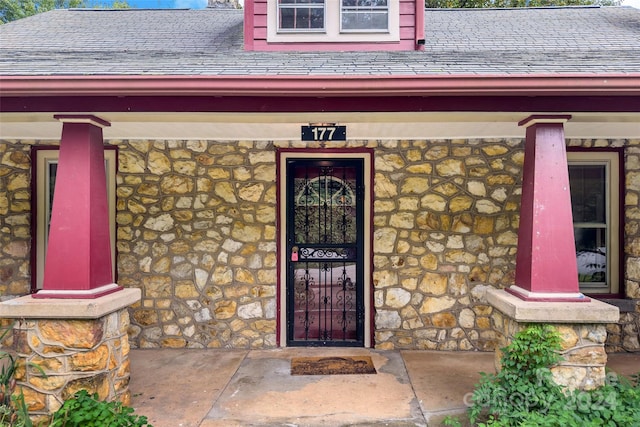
(84, 410)
(524, 394)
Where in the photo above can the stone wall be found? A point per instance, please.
(582, 350)
(624, 336)
(446, 218)
(632, 222)
(72, 354)
(196, 231)
(15, 219)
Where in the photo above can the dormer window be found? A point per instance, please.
(333, 21)
(364, 15)
(355, 15)
(301, 15)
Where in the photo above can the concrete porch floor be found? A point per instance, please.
(214, 388)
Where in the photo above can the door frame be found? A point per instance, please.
(284, 154)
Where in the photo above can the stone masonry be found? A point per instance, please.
(446, 217)
(582, 330)
(89, 354)
(624, 335)
(196, 231)
(582, 351)
(15, 219)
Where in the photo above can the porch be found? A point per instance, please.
(206, 388)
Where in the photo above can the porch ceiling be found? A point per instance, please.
(286, 126)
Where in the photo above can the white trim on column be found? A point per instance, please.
(546, 295)
(89, 293)
(92, 120)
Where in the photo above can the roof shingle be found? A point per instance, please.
(209, 42)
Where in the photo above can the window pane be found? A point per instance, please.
(365, 15)
(594, 181)
(588, 194)
(364, 21)
(51, 179)
(364, 3)
(301, 14)
(591, 254)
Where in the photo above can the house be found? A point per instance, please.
(324, 172)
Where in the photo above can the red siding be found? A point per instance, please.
(256, 31)
(260, 21)
(260, 34)
(407, 7)
(407, 21)
(407, 33)
(260, 7)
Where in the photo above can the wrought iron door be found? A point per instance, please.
(325, 249)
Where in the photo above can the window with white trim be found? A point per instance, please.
(46, 167)
(330, 21)
(595, 186)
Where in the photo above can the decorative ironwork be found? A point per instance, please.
(325, 206)
(325, 253)
(305, 301)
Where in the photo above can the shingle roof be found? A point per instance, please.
(209, 42)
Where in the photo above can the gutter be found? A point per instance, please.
(615, 84)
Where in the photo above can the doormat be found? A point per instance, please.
(344, 365)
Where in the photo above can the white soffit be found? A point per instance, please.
(286, 126)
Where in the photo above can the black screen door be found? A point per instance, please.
(325, 250)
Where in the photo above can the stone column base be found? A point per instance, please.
(582, 328)
(78, 344)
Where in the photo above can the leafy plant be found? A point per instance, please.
(524, 384)
(8, 415)
(7, 377)
(451, 421)
(523, 393)
(84, 410)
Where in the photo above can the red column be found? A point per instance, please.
(546, 268)
(78, 261)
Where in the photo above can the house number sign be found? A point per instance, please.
(324, 133)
